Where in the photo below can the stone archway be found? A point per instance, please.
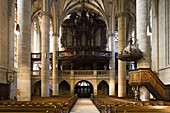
(84, 89)
(64, 88)
(103, 88)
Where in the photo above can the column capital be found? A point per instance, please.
(121, 14)
(56, 34)
(45, 13)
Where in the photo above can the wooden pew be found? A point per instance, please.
(134, 109)
(55, 106)
(29, 109)
(105, 105)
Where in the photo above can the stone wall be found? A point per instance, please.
(3, 39)
(7, 8)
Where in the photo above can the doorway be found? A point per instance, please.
(84, 89)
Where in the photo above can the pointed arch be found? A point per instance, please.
(103, 88)
(36, 89)
(64, 88)
(83, 88)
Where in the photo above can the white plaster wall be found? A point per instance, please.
(165, 76)
(164, 41)
(162, 34)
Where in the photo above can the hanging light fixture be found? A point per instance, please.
(17, 30)
(130, 53)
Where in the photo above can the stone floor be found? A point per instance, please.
(84, 105)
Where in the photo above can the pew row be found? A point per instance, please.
(134, 109)
(105, 105)
(38, 107)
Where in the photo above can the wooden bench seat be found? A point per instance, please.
(142, 109)
(135, 109)
(62, 105)
(40, 109)
(118, 105)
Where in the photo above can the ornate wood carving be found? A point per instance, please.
(145, 77)
(83, 29)
(84, 42)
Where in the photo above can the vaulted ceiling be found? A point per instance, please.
(102, 7)
(105, 8)
(99, 6)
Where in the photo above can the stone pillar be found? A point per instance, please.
(95, 85)
(38, 40)
(24, 51)
(112, 68)
(11, 34)
(95, 90)
(45, 72)
(72, 82)
(55, 67)
(143, 41)
(112, 60)
(11, 8)
(32, 36)
(72, 87)
(121, 64)
(155, 37)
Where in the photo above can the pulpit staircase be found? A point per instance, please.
(146, 77)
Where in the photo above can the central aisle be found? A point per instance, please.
(84, 105)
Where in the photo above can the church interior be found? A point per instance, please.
(84, 56)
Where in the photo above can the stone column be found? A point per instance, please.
(95, 89)
(11, 10)
(143, 41)
(32, 36)
(95, 85)
(39, 40)
(121, 64)
(112, 68)
(112, 60)
(55, 67)
(155, 36)
(24, 51)
(45, 72)
(11, 13)
(72, 82)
